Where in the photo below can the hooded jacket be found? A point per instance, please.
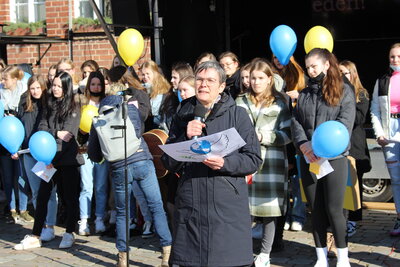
(312, 110)
(212, 216)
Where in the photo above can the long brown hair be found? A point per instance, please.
(29, 101)
(270, 94)
(293, 75)
(160, 85)
(332, 85)
(355, 79)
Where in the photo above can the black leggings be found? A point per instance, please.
(325, 198)
(68, 178)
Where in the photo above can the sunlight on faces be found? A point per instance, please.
(9, 82)
(51, 74)
(394, 56)
(175, 79)
(345, 71)
(56, 88)
(245, 76)
(208, 87)
(186, 90)
(229, 66)
(35, 90)
(147, 75)
(66, 68)
(86, 71)
(277, 64)
(204, 59)
(315, 65)
(95, 85)
(260, 82)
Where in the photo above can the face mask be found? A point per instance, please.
(395, 68)
(95, 94)
(318, 79)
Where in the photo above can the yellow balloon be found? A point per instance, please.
(87, 114)
(318, 37)
(130, 46)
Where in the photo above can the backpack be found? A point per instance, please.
(109, 126)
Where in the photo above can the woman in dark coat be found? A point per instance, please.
(325, 98)
(61, 120)
(212, 220)
(359, 149)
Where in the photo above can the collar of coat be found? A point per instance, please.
(186, 112)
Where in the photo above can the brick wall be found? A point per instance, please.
(97, 48)
(84, 48)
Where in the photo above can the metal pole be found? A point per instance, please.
(156, 24)
(70, 29)
(227, 26)
(105, 28)
(127, 217)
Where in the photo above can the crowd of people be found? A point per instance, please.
(209, 211)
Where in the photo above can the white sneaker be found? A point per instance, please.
(286, 226)
(147, 231)
(83, 227)
(99, 225)
(113, 217)
(67, 240)
(262, 260)
(28, 242)
(257, 231)
(296, 226)
(47, 234)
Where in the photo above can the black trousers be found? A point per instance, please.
(68, 178)
(325, 197)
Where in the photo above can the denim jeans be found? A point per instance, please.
(392, 153)
(297, 213)
(144, 173)
(34, 182)
(141, 200)
(93, 175)
(13, 182)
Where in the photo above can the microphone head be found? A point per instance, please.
(200, 111)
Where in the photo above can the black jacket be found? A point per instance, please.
(233, 84)
(67, 152)
(311, 110)
(30, 120)
(359, 149)
(212, 211)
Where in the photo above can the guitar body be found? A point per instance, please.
(154, 138)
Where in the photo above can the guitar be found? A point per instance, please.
(154, 138)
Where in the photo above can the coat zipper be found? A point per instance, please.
(233, 187)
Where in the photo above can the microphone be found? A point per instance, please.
(199, 114)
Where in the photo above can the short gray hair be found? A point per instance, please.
(212, 65)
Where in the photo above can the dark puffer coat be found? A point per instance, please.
(212, 217)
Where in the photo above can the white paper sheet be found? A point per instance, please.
(40, 170)
(395, 138)
(215, 145)
(325, 168)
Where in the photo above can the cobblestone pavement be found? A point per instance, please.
(370, 246)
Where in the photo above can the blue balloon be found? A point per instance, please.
(12, 133)
(1, 109)
(330, 139)
(43, 147)
(26, 77)
(283, 42)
